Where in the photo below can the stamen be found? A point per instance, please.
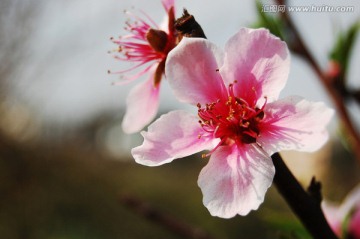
(245, 125)
(213, 150)
(234, 121)
(229, 101)
(262, 108)
(216, 130)
(231, 89)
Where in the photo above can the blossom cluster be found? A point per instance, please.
(240, 119)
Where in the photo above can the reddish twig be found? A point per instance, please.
(299, 47)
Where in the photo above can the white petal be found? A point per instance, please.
(142, 105)
(173, 135)
(294, 123)
(259, 62)
(235, 180)
(191, 69)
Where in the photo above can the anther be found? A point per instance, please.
(229, 101)
(245, 125)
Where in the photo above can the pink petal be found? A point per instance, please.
(142, 105)
(173, 135)
(355, 224)
(333, 216)
(169, 17)
(260, 63)
(168, 4)
(336, 215)
(352, 205)
(352, 200)
(191, 69)
(294, 124)
(235, 180)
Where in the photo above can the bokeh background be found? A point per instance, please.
(65, 164)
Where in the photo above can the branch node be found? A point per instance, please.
(314, 189)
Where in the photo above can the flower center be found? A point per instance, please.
(233, 121)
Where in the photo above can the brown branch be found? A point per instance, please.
(303, 204)
(167, 221)
(299, 47)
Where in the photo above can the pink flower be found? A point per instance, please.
(239, 118)
(148, 46)
(337, 216)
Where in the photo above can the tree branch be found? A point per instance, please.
(303, 204)
(298, 46)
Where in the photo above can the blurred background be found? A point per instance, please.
(65, 164)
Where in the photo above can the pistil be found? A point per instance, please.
(232, 120)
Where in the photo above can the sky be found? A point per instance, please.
(64, 76)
